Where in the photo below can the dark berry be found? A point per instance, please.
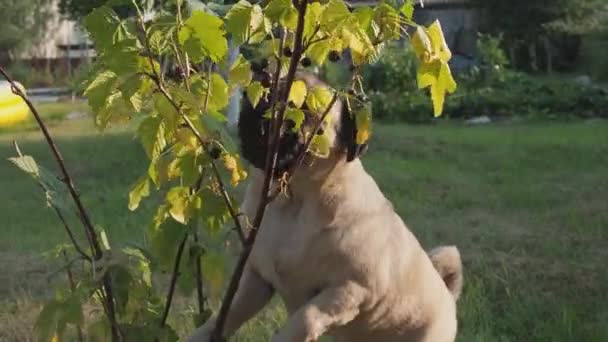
(334, 56)
(287, 52)
(266, 79)
(351, 92)
(264, 63)
(256, 66)
(215, 152)
(289, 124)
(320, 131)
(306, 62)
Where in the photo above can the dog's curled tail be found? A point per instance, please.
(446, 260)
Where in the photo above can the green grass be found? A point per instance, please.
(526, 203)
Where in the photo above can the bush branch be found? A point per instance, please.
(83, 214)
(174, 276)
(268, 174)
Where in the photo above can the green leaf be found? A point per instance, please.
(364, 16)
(214, 266)
(151, 134)
(408, 9)
(55, 191)
(312, 19)
(218, 99)
(179, 200)
(57, 314)
(318, 51)
(140, 190)
(133, 90)
(158, 41)
(100, 88)
(255, 91)
(116, 109)
(438, 43)
(363, 121)
(433, 72)
(421, 44)
(240, 72)
(243, 20)
(46, 323)
(213, 212)
(388, 20)
(124, 58)
(295, 115)
(164, 240)
(203, 36)
(102, 23)
(99, 331)
(297, 93)
(320, 146)
(27, 164)
(218, 93)
(318, 99)
(282, 12)
(121, 281)
(335, 15)
(445, 84)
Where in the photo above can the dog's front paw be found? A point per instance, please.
(203, 333)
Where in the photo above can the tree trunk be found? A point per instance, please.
(532, 55)
(513, 54)
(548, 54)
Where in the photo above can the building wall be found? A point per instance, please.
(60, 31)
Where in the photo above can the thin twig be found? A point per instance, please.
(83, 214)
(70, 234)
(174, 276)
(201, 140)
(302, 154)
(73, 289)
(198, 273)
(269, 172)
(226, 197)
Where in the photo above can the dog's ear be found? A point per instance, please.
(448, 264)
(348, 134)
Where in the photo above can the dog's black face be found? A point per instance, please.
(253, 131)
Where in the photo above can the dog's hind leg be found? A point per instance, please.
(335, 306)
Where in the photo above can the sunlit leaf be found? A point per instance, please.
(295, 115)
(283, 12)
(255, 91)
(100, 88)
(335, 15)
(320, 146)
(318, 99)
(178, 199)
(363, 119)
(240, 72)
(140, 190)
(203, 36)
(407, 9)
(102, 24)
(151, 134)
(243, 20)
(297, 93)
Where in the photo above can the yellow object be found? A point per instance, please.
(12, 107)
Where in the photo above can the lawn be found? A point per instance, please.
(526, 203)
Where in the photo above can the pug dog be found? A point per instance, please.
(334, 249)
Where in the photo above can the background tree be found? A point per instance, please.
(23, 24)
(529, 26)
